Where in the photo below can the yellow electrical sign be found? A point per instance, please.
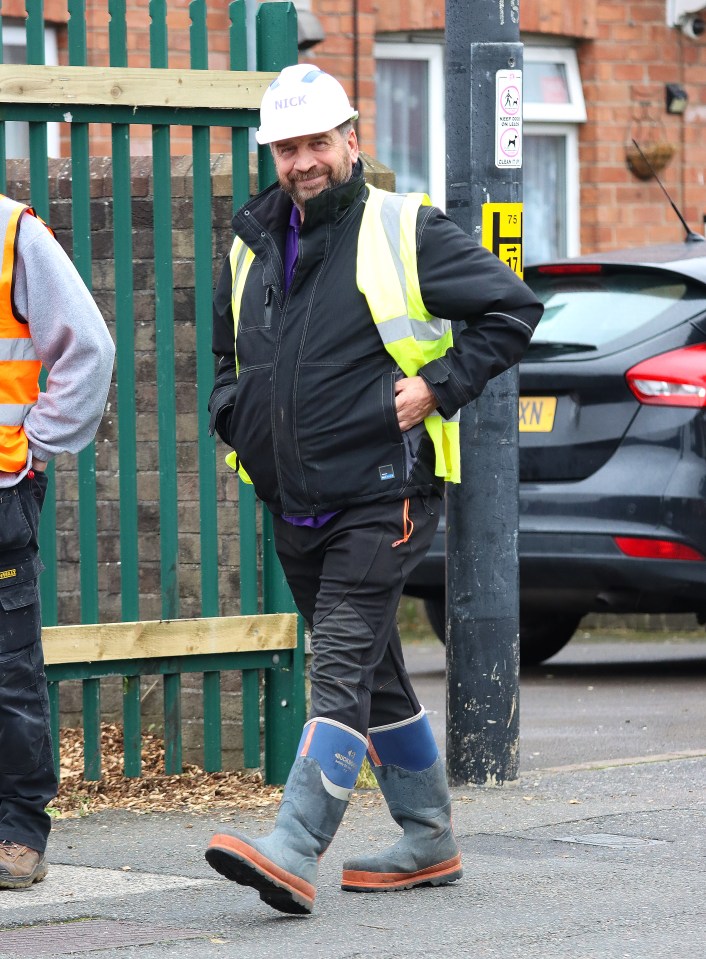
(502, 233)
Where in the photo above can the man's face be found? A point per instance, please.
(310, 164)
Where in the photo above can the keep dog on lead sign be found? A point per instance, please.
(508, 118)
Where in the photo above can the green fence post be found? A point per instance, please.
(81, 230)
(247, 502)
(132, 727)
(38, 158)
(249, 603)
(124, 334)
(241, 135)
(276, 48)
(91, 729)
(203, 268)
(284, 686)
(39, 188)
(172, 724)
(212, 718)
(53, 689)
(285, 704)
(251, 718)
(164, 310)
(203, 282)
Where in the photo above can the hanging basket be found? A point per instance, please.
(658, 154)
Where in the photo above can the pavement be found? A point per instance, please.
(602, 859)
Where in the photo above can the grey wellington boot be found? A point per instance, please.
(283, 866)
(419, 802)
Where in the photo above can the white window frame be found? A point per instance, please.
(433, 53)
(13, 36)
(562, 120)
(572, 112)
(571, 139)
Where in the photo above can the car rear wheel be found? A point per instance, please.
(542, 633)
(436, 614)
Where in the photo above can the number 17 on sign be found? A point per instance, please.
(502, 233)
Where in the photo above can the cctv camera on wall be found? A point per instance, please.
(693, 26)
(689, 16)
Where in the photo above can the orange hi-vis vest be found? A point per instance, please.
(19, 366)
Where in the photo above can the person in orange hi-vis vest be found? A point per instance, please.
(47, 318)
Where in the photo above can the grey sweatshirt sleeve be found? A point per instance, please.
(70, 338)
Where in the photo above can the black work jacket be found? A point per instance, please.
(312, 412)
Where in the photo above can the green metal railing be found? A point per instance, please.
(266, 592)
(277, 759)
(134, 650)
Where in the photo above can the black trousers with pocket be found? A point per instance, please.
(27, 779)
(347, 579)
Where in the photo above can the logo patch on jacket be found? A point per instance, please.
(386, 472)
(8, 573)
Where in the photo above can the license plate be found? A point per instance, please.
(537, 414)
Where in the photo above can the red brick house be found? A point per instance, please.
(596, 75)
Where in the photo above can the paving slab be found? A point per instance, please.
(597, 851)
(532, 887)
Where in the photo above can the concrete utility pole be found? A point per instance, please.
(484, 193)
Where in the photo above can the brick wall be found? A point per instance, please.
(624, 73)
(557, 18)
(55, 11)
(348, 53)
(626, 54)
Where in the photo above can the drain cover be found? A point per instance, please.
(63, 939)
(614, 842)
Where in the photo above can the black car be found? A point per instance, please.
(612, 446)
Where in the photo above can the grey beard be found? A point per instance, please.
(299, 199)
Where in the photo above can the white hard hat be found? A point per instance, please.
(302, 100)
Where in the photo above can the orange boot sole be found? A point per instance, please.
(439, 875)
(242, 863)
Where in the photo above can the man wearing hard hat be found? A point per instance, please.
(338, 389)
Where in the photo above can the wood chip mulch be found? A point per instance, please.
(194, 790)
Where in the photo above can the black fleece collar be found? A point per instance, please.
(271, 208)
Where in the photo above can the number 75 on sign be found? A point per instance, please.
(502, 233)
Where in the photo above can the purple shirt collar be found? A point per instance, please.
(291, 247)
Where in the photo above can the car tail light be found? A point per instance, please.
(642, 547)
(677, 378)
(570, 269)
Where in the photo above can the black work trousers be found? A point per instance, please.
(27, 779)
(347, 579)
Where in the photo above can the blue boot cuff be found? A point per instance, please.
(409, 745)
(339, 750)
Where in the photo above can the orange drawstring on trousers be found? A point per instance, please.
(407, 525)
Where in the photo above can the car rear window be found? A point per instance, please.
(589, 311)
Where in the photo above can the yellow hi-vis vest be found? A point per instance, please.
(241, 257)
(19, 365)
(387, 276)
